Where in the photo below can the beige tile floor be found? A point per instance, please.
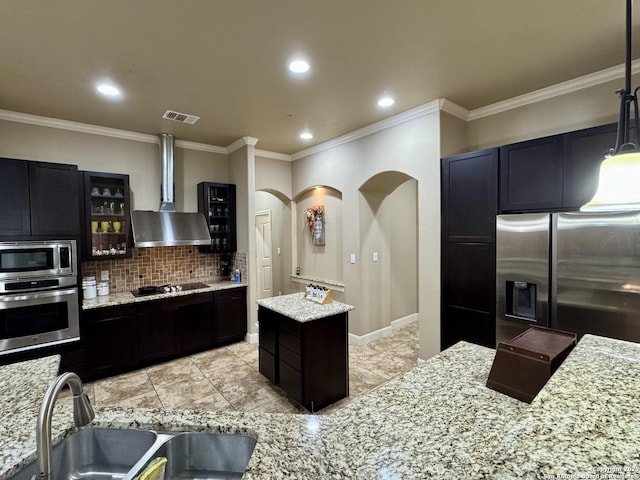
(227, 378)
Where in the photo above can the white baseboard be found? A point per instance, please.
(404, 321)
(370, 337)
(382, 332)
(251, 338)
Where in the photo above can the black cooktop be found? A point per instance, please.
(157, 289)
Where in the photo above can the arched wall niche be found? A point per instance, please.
(388, 244)
(319, 261)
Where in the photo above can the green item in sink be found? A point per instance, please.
(155, 470)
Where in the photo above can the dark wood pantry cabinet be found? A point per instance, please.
(469, 196)
(39, 200)
(469, 208)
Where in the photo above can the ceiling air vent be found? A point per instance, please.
(180, 117)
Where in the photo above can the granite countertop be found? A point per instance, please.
(124, 298)
(295, 306)
(436, 421)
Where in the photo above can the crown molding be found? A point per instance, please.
(76, 126)
(203, 147)
(586, 81)
(103, 131)
(453, 109)
(417, 112)
(274, 155)
(442, 104)
(241, 142)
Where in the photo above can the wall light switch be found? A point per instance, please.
(375, 256)
(352, 258)
(278, 250)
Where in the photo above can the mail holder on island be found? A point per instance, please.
(524, 364)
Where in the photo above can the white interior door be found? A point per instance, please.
(263, 248)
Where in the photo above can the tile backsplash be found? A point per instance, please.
(162, 265)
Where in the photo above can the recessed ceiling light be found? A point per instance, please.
(108, 90)
(306, 135)
(299, 66)
(386, 101)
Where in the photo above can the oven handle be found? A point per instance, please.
(33, 297)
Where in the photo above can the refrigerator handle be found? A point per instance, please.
(553, 259)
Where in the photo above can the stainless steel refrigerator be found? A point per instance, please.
(578, 272)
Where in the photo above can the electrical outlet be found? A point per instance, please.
(375, 256)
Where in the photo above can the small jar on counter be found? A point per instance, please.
(89, 288)
(103, 289)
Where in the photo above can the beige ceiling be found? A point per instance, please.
(225, 60)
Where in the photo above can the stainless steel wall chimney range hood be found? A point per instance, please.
(168, 228)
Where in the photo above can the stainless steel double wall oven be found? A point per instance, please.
(39, 303)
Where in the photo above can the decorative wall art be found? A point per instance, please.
(315, 222)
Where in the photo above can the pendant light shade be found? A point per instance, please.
(619, 183)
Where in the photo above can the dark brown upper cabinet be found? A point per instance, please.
(470, 196)
(39, 200)
(553, 173)
(218, 203)
(584, 151)
(107, 219)
(531, 175)
(15, 217)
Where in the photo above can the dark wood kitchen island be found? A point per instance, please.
(304, 348)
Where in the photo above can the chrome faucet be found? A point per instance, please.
(82, 415)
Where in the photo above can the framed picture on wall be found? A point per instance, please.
(314, 217)
(317, 236)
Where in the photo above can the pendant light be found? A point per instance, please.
(619, 183)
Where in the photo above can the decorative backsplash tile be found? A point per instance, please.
(162, 265)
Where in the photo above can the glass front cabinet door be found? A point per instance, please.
(218, 203)
(107, 215)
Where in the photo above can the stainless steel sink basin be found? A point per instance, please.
(115, 454)
(211, 456)
(96, 454)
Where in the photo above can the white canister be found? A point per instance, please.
(103, 289)
(89, 288)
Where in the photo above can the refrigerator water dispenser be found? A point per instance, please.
(521, 300)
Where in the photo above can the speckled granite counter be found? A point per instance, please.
(123, 298)
(296, 307)
(436, 421)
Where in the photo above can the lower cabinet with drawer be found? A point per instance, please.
(230, 314)
(119, 338)
(111, 339)
(308, 360)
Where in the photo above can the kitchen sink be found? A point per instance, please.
(122, 454)
(94, 453)
(213, 456)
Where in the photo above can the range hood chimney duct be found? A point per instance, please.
(167, 201)
(168, 228)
